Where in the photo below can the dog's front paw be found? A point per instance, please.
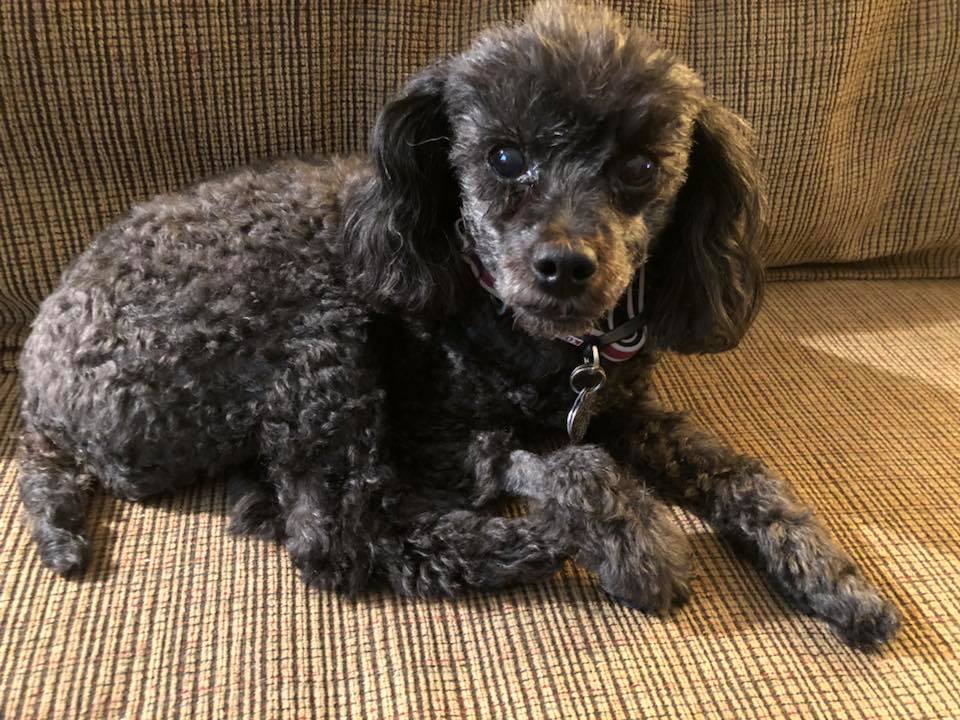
(860, 616)
(646, 566)
(486, 459)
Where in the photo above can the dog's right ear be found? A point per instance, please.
(400, 230)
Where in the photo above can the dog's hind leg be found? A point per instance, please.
(55, 493)
(254, 506)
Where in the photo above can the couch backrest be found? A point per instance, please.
(856, 105)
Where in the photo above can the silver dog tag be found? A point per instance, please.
(578, 419)
(585, 380)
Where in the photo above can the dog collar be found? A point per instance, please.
(618, 336)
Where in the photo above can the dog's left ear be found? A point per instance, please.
(704, 278)
(399, 234)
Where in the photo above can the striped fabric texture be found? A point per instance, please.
(851, 390)
(856, 107)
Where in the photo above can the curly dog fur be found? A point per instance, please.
(308, 329)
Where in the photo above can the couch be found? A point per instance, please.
(848, 384)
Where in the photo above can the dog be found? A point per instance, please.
(375, 351)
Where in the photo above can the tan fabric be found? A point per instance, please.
(856, 105)
(850, 389)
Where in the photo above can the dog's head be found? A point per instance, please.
(574, 149)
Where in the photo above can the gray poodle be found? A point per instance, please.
(375, 352)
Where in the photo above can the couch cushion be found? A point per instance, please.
(849, 389)
(856, 107)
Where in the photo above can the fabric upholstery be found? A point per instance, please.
(856, 106)
(849, 389)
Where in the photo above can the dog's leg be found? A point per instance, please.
(322, 450)
(446, 553)
(621, 531)
(55, 493)
(254, 506)
(758, 511)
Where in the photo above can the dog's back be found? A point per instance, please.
(151, 362)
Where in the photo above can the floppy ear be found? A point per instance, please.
(704, 278)
(399, 228)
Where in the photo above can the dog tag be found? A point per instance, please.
(578, 419)
(585, 380)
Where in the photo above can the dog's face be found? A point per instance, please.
(573, 149)
(570, 139)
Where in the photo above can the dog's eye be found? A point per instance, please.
(508, 162)
(639, 172)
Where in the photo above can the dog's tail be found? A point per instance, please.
(54, 490)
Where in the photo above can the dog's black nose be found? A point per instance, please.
(563, 272)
